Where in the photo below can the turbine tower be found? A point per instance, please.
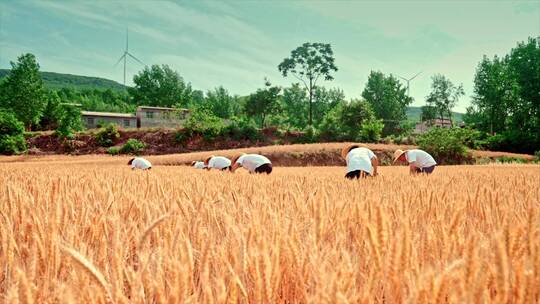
(409, 80)
(125, 55)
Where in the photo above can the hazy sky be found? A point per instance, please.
(238, 43)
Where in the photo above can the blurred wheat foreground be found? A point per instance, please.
(91, 232)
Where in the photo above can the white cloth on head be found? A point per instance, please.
(199, 165)
(419, 158)
(360, 159)
(252, 161)
(219, 162)
(140, 163)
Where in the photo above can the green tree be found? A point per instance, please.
(389, 100)
(22, 90)
(160, 86)
(308, 63)
(506, 102)
(197, 99)
(324, 101)
(221, 103)
(264, 102)
(524, 70)
(70, 121)
(444, 96)
(11, 134)
(493, 95)
(428, 113)
(295, 106)
(52, 112)
(345, 121)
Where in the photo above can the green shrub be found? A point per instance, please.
(405, 140)
(510, 159)
(181, 136)
(11, 134)
(239, 129)
(371, 131)
(537, 156)
(445, 145)
(309, 135)
(107, 136)
(473, 139)
(388, 140)
(496, 142)
(14, 144)
(330, 128)
(132, 146)
(203, 122)
(9, 124)
(70, 122)
(113, 151)
(352, 121)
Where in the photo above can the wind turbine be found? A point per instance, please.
(409, 80)
(125, 55)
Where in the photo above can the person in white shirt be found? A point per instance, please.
(217, 162)
(198, 165)
(419, 161)
(254, 163)
(361, 161)
(139, 163)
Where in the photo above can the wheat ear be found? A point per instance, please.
(90, 269)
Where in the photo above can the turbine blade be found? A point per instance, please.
(416, 75)
(403, 78)
(120, 59)
(136, 59)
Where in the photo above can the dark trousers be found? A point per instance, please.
(356, 174)
(426, 170)
(266, 168)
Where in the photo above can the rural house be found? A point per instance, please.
(152, 117)
(93, 120)
(145, 117)
(424, 126)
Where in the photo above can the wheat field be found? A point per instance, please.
(97, 232)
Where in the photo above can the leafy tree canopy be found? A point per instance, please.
(160, 86)
(444, 96)
(388, 99)
(22, 90)
(308, 63)
(264, 102)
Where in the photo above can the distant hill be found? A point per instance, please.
(53, 80)
(413, 113)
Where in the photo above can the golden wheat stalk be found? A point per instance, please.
(90, 269)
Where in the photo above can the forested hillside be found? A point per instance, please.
(52, 80)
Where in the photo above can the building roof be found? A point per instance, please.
(161, 108)
(108, 114)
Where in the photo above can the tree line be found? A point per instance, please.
(505, 105)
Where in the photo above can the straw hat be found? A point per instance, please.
(208, 159)
(236, 157)
(348, 148)
(397, 154)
